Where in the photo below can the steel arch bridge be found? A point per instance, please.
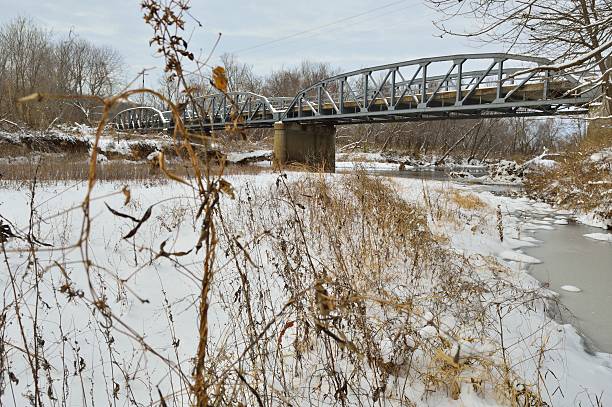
(438, 88)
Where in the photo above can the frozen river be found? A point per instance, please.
(568, 258)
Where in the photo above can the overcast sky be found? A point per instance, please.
(372, 33)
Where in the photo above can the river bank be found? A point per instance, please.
(469, 263)
(565, 249)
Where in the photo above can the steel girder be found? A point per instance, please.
(455, 86)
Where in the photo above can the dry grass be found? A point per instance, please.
(339, 276)
(459, 209)
(380, 274)
(577, 182)
(467, 200)
(56, 168)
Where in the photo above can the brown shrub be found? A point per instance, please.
(578, 181)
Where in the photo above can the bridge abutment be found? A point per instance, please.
(309, 144)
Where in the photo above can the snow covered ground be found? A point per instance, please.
(89, 356)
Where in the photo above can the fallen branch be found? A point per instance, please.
(441, 159)
(351, 146)
(12, 123)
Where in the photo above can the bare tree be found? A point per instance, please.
(104, 69)
(574, 33)
(27, 50)
(288, 82)
(240, 76)
(563, 29)
(32, 60)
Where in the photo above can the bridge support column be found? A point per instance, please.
(310, 144)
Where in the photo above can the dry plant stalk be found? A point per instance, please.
(168, 21)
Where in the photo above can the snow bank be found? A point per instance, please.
(80, 138)
(366, 165)
(602, 156)
(592, 219)
(250, 156)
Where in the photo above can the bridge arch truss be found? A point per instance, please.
(455, 86)
(440, 88)
(141, 117)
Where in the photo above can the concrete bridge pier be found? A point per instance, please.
(309, 144)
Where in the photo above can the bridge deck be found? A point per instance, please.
(529, 92)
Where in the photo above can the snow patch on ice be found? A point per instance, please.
(530, 239)
(545, 163)
(571, 288)
(531, 226)
(519, 257)
(564, 212)
(603, 155)
(604, 237)
(154, 155)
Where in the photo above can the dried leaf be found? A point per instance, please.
(116, 389)
(13, 378)
(325, 303)
(121, 215)
(204, 233)
(226, 188)
(219, 79)
(285, 328)
(455, 390)
(145, 217)
(442, 356)
(456, 358)
(5, 232)
(127, 194)
(164, 253)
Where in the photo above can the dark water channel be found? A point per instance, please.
(568, 258)
(428, 173)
